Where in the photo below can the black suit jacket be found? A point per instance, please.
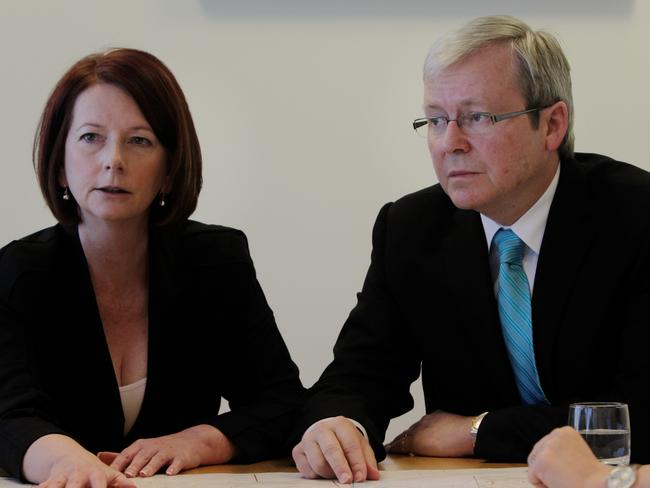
(211, 335)
(428, 304)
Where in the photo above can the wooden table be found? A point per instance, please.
(392, 463)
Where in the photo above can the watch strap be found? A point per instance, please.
(476, 424)
(622, 476)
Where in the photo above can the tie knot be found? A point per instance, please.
(510, 247)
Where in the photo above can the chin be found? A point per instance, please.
(116, 217)
(464, 201)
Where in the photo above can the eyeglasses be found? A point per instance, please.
(470, 122)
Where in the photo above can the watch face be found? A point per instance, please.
(621, 477)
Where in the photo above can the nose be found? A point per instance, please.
(114, 158)
(454, 139)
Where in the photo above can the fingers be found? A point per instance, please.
(96, 479)
(354, 447)
(82, 479)
(156, 462)
(371, 462)
(121, 481)
(56, 482)
(302, 463)
(175, 467)
(317, 451)
(123, 459)
(132, 460)
(107, 457)
(146, 460)
(310, 458)
(335, 448)
(137, 466)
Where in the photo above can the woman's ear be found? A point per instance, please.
(61, 179)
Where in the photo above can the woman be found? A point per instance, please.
(562, 459)
(122, 326)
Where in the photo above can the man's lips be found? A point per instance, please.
(460, 173)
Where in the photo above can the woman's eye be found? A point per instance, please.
(140, 141)
(89, 137)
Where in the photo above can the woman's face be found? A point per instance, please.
(114, 165)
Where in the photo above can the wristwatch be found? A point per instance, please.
(622, 477)
(476, 423)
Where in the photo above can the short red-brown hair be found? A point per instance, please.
(162, 102)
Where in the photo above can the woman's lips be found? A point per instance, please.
(112, 190)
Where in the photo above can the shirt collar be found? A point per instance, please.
(530, 226)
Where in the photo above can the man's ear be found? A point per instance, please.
(555, 124)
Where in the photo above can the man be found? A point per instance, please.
(454, 266)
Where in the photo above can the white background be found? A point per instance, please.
(303, 110)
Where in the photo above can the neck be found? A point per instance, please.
(115, 252)
(520, 204)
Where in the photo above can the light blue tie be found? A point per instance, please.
(513, 298)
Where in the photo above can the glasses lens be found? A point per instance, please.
(475, 122)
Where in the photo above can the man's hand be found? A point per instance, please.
(334, 448)
(439, 434)
(202, 444)
(563, 460)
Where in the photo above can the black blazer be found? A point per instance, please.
(211, 335)
(428, 304)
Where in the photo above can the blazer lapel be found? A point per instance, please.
(569, 232)
(97, 374)
(163, 297)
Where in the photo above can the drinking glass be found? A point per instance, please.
(606, 429)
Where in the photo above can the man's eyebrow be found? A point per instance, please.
(431, 107)
(463, 105)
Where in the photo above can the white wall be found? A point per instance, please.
(303, 109)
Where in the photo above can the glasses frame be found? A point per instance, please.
(494, 118)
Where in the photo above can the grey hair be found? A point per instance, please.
(544, 72)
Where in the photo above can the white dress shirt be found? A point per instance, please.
(529, 228)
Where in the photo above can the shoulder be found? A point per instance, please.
(422, 209)
(599, 169)
(205, 244)
(35, 253)
(616, 183)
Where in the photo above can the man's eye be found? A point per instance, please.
(477, 117)
(438, 121)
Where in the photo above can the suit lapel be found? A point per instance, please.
(569, 233)
(469, 279)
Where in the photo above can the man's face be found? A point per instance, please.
(504, 170)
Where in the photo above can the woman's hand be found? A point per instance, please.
(563, 460)
(199, 445)
(85, 471)
(57, 461)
